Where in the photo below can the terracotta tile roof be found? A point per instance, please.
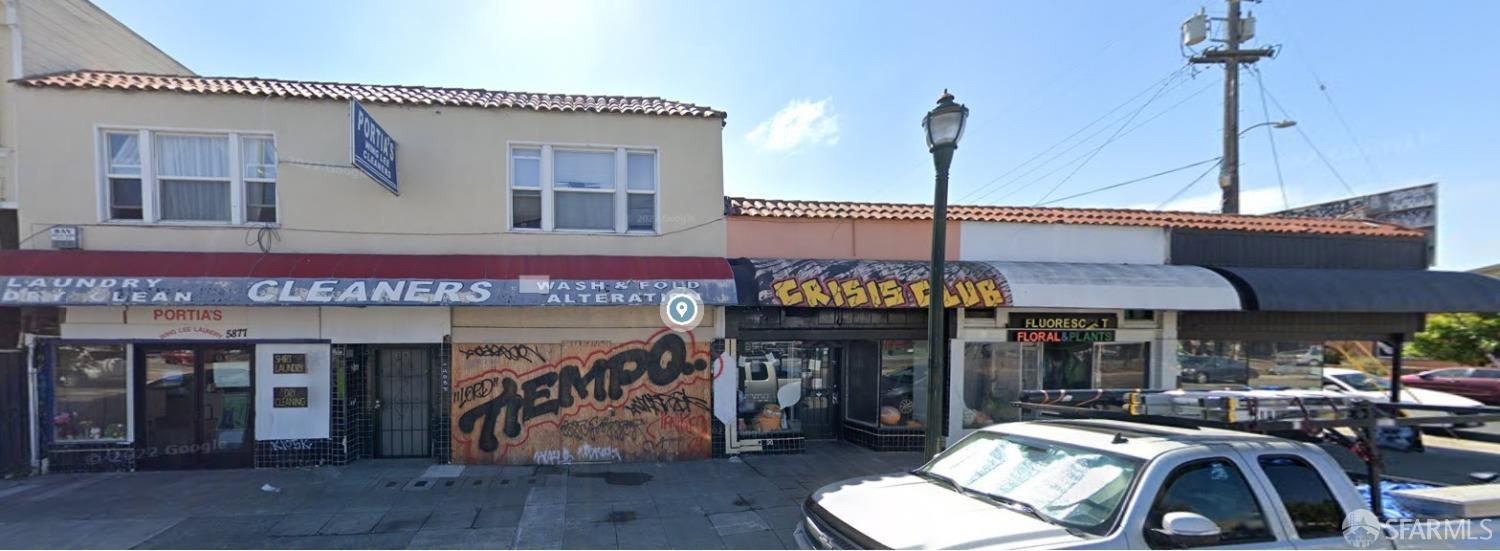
(773, 208)
(370, 93)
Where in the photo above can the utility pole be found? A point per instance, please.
(1236, 30)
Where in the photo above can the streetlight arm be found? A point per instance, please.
(1273, 124)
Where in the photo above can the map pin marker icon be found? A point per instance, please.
(682, 308)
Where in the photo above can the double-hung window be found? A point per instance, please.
(189, 177)
(122, 175)
(258, 159)
(583, 189)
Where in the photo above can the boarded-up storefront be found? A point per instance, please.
(633, 392)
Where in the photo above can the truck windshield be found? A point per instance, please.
(1073, 487)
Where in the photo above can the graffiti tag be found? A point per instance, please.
(601, 428)
(517, 352)
(291, 445)
(666, 403)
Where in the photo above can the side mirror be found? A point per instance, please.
(1426, 376)
(1333, 388)
(1183, 529)
(1485, 477)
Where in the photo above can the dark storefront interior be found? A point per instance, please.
(828, 374)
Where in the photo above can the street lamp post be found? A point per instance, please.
(944, 126)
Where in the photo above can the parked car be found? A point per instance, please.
(1479, 383)
(1215, 369)
(1310, 356)
(1359, 383)
(1095, 484)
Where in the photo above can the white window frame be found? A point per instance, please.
(107, 213)
(151, 182)
(621, 191)
(239, 144)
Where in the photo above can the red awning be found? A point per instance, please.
(288, 265)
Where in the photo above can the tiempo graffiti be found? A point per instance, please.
(593, 402)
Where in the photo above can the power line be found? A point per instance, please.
(1128, 182)
(1111, 139)
(1271, 135)
(1306, 60)
(1190, 184)
(1127, 132)
(1154, 85)
(1308, 139)
(1347, 129)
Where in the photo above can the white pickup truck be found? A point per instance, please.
(1107, 484)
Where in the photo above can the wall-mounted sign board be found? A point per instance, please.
(1022, 335)
(1064, 322)
(289, 397)
(288, 363)
(373, 150)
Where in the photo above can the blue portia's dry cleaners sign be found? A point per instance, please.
(374, 150)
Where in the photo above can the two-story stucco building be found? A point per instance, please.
(241, 294)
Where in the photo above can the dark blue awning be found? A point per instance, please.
(1335, 290)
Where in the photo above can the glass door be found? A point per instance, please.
(196, 404)
(988, 377)
(228, 400)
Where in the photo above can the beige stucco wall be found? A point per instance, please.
(862, 239)
(452, 170)
(62, 35)
(67, 35)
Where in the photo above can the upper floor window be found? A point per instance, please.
(557, 188)
(193, 177)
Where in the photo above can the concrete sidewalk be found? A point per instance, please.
(750, 503)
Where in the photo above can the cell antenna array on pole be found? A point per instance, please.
(1237, 29)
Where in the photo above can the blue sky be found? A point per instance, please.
(825, 98)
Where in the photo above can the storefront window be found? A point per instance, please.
(1252, 364)
(777, 378)
(91, 401)
(993, 380)
(1122, 365)
(903, 383)
(1068, 365)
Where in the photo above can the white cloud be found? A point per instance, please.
(800, 123)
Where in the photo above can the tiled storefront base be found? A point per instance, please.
(883, 440)
(66, 458)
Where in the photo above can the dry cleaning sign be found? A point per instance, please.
(373, 150)
(86, 291)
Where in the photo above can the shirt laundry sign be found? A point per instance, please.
(373, 149)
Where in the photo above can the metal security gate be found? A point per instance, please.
(14, 438)
(403, 404)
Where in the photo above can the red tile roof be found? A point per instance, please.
(369, 93)
(774, 208)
